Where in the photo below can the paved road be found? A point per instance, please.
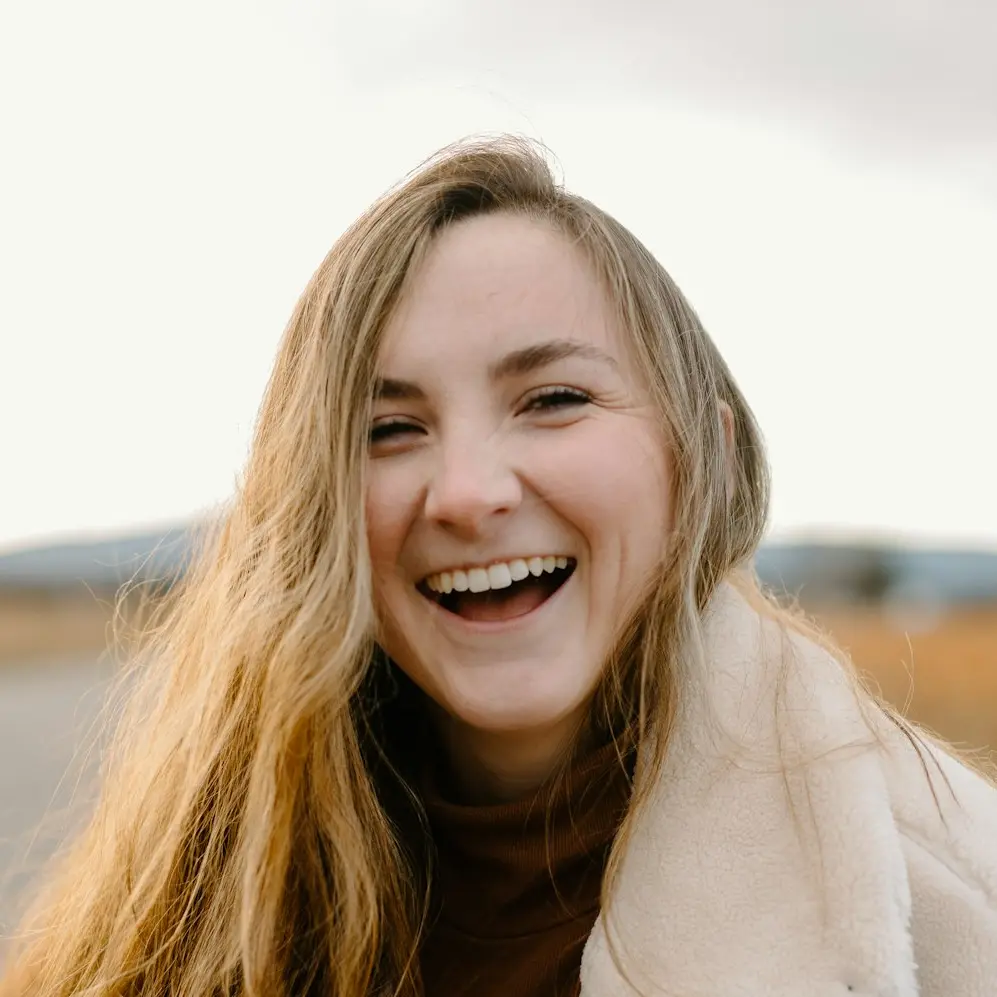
(46, 714)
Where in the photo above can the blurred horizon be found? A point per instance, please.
(901, 611)
(840, 567)
(819, 535)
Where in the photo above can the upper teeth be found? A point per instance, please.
(496, 576)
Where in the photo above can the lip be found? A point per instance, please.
(489, 627)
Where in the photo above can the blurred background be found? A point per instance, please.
(820, 179)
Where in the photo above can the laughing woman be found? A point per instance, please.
(472, 690)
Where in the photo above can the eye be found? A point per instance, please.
(381, 432)
(556, 397)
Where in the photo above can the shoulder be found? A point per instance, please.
(791, 834)
(946, 819)
(874, 783)
(784, 693)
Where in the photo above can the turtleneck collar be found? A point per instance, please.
(514, 869)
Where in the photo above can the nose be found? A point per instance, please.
(472, 489)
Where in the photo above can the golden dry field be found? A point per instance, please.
(946, 666)
(49, 624)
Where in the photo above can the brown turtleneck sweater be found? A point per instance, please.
(517, 885)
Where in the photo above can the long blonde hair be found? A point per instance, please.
(255, 834)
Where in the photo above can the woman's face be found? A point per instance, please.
(518, 485)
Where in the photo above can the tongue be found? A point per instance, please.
(503, 604)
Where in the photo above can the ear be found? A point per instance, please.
(727, 420)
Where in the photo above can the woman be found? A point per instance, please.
(473, 691)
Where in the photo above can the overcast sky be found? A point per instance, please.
(820, 178)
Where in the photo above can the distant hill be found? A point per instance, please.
(100, 563)
(814, 572)
(874, 573)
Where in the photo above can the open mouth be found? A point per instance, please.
(506, 603)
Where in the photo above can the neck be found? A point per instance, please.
(504, 766)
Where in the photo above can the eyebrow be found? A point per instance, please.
(514, 364)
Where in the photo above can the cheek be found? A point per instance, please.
(614, 483)
(388, 513)
(387, 524)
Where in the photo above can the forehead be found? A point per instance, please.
(493, 284)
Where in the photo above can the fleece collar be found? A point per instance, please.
(750, 873)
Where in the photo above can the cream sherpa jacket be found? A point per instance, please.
(787, 853)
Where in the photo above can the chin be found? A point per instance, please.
(515, 714)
